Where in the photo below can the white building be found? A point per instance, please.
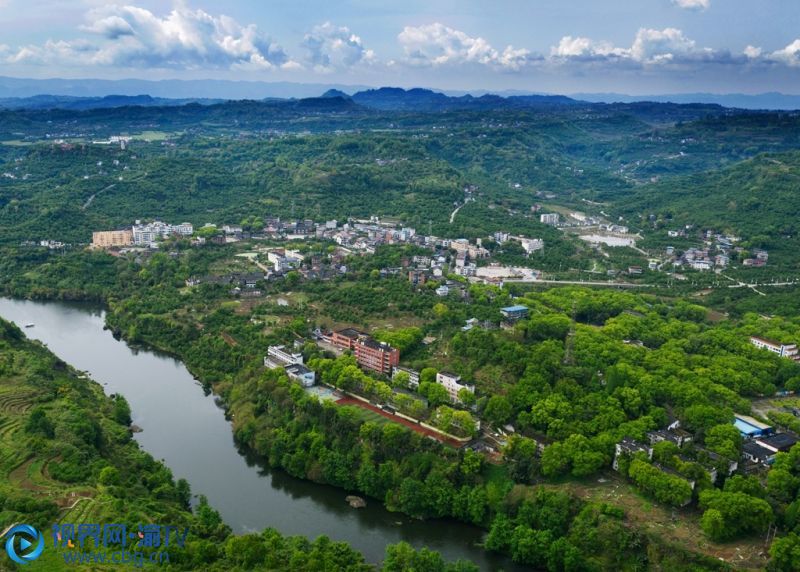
(277, 356)
(284, 260)
(291, 363)
(302, 374)
(531, 245)
(550, 218)
(147, 234)
(442, 290)
(788, 351)
(453, 384)
(413, 375)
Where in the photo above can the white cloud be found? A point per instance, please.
(660, 45)
(790, 55)
(753, 52)
(586, 48)
(649, 47)
(437, 45)
(129, 36)
(693, 4)
(330, 47)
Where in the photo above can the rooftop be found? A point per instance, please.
(349, 333)
(780, 441)
(375, 344)
(756, 451)
(297, 369)
(517, 308)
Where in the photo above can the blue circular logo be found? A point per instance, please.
(29, 546)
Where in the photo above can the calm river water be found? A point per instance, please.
(188, 431)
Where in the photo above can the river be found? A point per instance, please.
(186, 429)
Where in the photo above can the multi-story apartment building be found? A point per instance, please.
(550, 218)
(453, 384)
(147, 234)
(112, 238)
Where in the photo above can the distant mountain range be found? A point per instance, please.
(167, 88)
(772, 100)
(20, 93)
(83, 103)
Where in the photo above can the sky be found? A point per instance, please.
(636, 47)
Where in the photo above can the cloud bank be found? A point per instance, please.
(187, 40)
(133, 37)
(439, 45)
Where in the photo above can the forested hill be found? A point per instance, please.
(387, 99)
(758, 198)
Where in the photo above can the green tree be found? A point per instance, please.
(498, 410)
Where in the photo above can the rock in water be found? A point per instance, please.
(355, 502)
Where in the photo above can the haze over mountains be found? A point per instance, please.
(95, 93)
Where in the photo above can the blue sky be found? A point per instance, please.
(559, 46)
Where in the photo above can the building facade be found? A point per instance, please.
(413, 375)
(788, 351)
(376, 356)
(550, 218)
(147, 234)
(514, 313)
(277, 356)
(112, 238)
(453, 384)
(369, 352)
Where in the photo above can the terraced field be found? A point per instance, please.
(26, 472)
(14, 405)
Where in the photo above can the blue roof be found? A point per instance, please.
(746, 429)
(517, 308)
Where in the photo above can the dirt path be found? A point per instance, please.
(681, 527)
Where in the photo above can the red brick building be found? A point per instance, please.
(346, 339)
(369, 352)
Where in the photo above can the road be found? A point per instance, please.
(582, 283)
(455, 212)
(90, 199)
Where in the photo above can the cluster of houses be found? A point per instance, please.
(711, 462)
(700, 259)
(143, 235)
(716, 253)
(761, 445)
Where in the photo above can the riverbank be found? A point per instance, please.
(198, 445)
